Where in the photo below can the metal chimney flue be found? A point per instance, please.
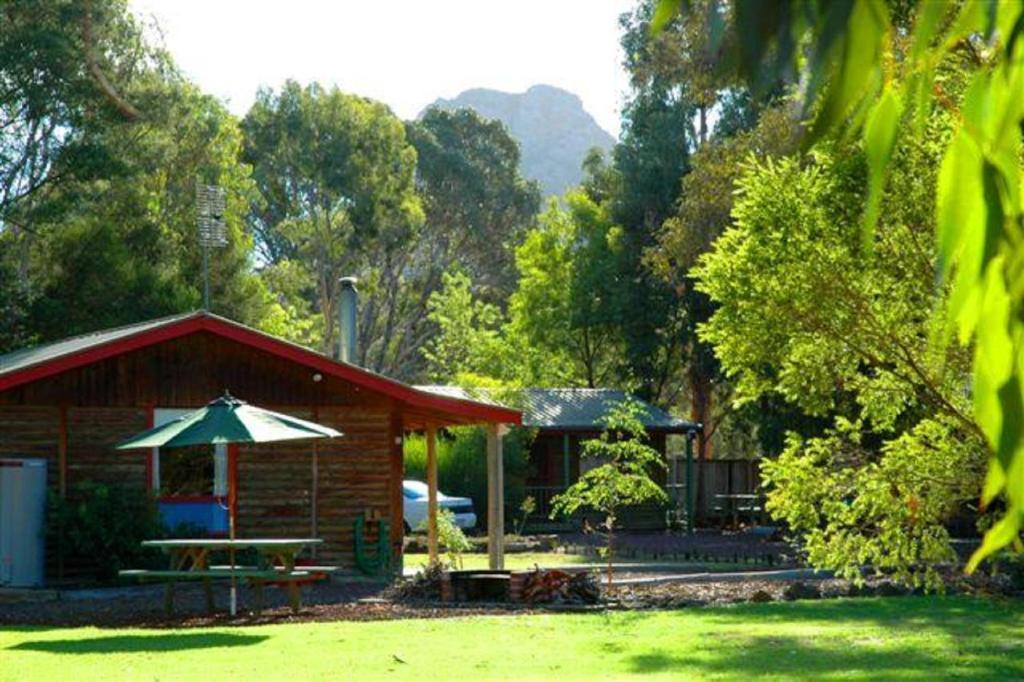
(348, 308)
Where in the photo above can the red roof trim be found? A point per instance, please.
(250, 337)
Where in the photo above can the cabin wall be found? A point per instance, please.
(281, 484)
(284, 489)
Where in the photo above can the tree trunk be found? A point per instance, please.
(700, 411)
(610, 548)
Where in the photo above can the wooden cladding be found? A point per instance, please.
(276, 481)
(191, 371)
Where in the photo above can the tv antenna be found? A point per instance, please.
(213, 233)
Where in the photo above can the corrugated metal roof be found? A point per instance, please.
(27, 357)
(564, 408)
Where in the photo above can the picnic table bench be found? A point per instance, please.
(276, 563)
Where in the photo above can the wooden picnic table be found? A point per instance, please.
(275, 562)
(733, 501)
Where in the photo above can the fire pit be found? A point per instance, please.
(477, 585)
(536, 586)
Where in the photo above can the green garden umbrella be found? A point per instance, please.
(228, 420)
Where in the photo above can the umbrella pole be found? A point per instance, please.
(232, 503)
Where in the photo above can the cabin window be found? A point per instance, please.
(188, 472)
(191, 483)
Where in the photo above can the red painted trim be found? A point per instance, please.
(219, 326)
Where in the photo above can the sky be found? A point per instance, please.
(406, 53)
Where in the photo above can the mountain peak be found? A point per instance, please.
(553, 129)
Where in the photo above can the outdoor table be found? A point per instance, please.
(733, 500)
(275, 560)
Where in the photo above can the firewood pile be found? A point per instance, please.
(560, 587)
(425, 585)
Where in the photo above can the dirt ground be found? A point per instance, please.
(143, 605)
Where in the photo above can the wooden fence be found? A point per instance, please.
(718, 477)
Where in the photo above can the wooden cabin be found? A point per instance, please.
(70, 402)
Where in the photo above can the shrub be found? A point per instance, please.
(450, 536)
(99, 527)
(462, 465)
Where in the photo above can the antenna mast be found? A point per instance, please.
(213, 234)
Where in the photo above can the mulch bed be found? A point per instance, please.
(143, 606)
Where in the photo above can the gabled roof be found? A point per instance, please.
(31, 364)
(570, 409)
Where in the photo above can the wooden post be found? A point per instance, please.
(432, 494)
(232, 485)
(495, 498)
(314, 492)
(396, 506)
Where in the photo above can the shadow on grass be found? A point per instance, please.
(798, 658)
(978, 638)
(118, 644)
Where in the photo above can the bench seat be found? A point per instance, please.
(217, 572)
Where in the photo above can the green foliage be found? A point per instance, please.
(467, 336)
(476, 202)
(103, 232)
(621, 477)
(803, 314)
(336, 196)
(557, 331)
(559, 326)
(450, 536)
(462, 464)
(526, 508)
(851, 52)
(98, 527)
(887, 510)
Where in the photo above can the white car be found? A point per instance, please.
(415, 502)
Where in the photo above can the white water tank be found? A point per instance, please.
(22, 514)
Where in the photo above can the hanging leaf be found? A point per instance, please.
(664, 13)
(999, 536)
(879, 141)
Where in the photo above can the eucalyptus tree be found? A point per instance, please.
(335, 175)
(477, 204)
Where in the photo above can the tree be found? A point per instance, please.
(703, 212)
(477, 205)
(558, 315)
(850, 57)
(803, 315)
(124, 248)
(467, 338)
(621, 479)
(335, 174)
(556, 332)
(67, 70)
(102, 144)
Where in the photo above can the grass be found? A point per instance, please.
(527, 560)
(897, 638)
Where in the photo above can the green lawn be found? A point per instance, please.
(910, 637)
